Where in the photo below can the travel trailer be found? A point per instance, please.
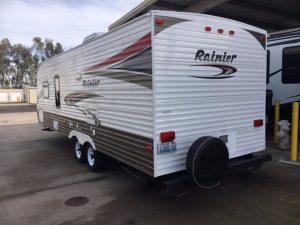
(166, 92)
(284, 69)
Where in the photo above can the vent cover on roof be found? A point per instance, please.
(92, 36)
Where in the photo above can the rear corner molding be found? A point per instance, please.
(258, 37)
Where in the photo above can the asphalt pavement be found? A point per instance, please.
(42, 184)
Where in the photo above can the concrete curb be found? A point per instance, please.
(296, 163)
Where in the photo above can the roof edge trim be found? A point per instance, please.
(132, 13)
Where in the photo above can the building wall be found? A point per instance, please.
(30, 95)
(18, 95)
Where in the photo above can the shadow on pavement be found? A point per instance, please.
(16, 108)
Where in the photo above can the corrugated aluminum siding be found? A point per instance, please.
(122, 99)
(195, 107)
(124, 105)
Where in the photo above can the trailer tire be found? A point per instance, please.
(207, 161)
(95, 159)
(79, 152)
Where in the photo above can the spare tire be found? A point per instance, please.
(207, 161)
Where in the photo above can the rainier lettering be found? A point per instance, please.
(203, 56)
(91, 83)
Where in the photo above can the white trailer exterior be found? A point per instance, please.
(195, 75)
(284, 67)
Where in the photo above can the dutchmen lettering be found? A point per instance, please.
(203, 56)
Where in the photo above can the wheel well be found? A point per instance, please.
(82, 138)
(74, 138)
(85, 145)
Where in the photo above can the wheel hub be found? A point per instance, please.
(78, 150)
(90, 155)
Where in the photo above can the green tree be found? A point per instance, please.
(22, 61)
(58, 49)
(5, 67)
(45, 50)
(19, 64)
(38, 49)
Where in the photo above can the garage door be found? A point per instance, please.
(14, 97)
(3, 96)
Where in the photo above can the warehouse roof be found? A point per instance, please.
(271, 15)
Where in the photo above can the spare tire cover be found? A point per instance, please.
(207, 161)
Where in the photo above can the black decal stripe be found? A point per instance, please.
(168, 22)
(138, 46)
(123, 146)
(258, 37)
(141, 62)
(284, 42)
(283, 38)
(212, 77)
(146, 71)
(285, 34)
(225, 69)
(294, 96)
(272, 74)
(75, 97)
(141, 79)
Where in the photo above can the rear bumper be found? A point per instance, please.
(249, 160)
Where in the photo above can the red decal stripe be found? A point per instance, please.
(136, 47)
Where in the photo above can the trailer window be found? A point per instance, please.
(57, 91)
(268, 66)
(45, 89)
(291, 65)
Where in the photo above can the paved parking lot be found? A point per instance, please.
(38, 174)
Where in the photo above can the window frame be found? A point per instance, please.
(57, 93)
(268, 66)
(283, 80)
(46, 97)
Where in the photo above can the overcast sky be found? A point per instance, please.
(65, 21)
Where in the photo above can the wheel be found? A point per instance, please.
(207, 161)
(79, 152)
(95, 159)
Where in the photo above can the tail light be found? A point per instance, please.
(220, 31)
(231, 32)
(208, 29)
(258, 123)
(167, 136)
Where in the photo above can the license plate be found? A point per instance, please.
(167, 147)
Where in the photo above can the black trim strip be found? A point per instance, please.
(296, 32)
(283, 38)
(284, 42)
(294, 96)
(272, 74)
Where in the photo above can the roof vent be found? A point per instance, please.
(92, 37)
